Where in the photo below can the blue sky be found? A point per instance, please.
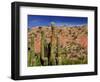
(43, 20)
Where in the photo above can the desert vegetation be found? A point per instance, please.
(57, 45)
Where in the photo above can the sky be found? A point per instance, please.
(43, 20)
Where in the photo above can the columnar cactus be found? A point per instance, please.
(32, 50)
(53, 46)
(44, 60)
(59, 59)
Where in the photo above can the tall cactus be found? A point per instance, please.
(44, 60)
(32, 50)
(29, 54)
(53, 46)
(58, 58)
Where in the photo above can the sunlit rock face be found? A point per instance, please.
(66, 34)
